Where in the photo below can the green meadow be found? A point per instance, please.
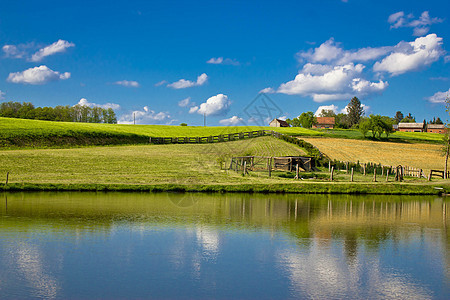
(82, 156)
(22, 133)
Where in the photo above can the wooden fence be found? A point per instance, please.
(214, 138)
(439, 173)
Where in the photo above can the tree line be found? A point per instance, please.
(355, 112)
(355, 118)
(77, 113)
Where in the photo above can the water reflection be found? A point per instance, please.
(56, 245)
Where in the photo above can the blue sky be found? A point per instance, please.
(174, 61)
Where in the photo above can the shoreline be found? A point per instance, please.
(297, 188)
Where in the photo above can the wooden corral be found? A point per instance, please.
(265, 163)
(289, 163)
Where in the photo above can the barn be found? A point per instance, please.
(278, 123)
(324, 123)
(411, 127)
(436, 128)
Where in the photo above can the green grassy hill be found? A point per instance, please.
(17, 133)
(21, 133)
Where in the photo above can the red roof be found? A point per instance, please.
(325, 121)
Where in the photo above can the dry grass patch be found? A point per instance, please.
(424, 156)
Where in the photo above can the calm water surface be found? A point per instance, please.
(223, 246)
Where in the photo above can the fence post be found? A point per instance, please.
(375, 175)
(331, 174)
(245, 168)
(270, 166)
(351, 176)
(329, 165)
(7, 178)
(296, 172)
(387, 175)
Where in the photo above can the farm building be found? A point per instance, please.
(411, 127)
(436, 128)
(324, 123)
(278, 123)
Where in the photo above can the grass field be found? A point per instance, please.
(424, 156)
(182, 167)
(21, 133)
(17, 133)
(139, 164)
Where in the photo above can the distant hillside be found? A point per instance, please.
(18, 133)
(24, 133)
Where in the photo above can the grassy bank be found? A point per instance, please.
(304, 188)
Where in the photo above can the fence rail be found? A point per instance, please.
(214, 138)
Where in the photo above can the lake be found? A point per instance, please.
(223, 246)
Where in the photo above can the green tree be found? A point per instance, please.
(408, 119)
(327, 113)
(10, 109)
(25, 110)
(110, 116)
(398, 117)
(354, 111)
(364, 126)
(388, 125)
(307, 119)
(376, 125)
(341, 121)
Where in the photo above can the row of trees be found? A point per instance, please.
(77, 113)
(400, 118)
(353, 116)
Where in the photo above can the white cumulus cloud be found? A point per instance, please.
(145, 116)
(331, 107)
(336, 109)
(186, 102)
(57, 47)
(411, 56)
(326, 83)
(183, 83)
(85, 102)
(214, 106)
(439, 97)
(332, 53)
(421, 25)
(267, 90)
(13, 51)
(37, 75)
(2, 95)
(223, 61)
(234, 120)
(127, 83)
